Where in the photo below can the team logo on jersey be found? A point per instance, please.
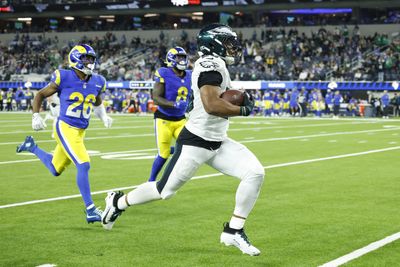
(209, 64)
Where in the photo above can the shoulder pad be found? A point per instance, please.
(160, 74)
(56, 76)
(209, 63)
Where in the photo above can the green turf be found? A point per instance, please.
(307, 214)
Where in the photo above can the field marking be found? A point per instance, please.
(318, 135)
(393, 120)
(90, 154)
(17, 161)
(237, 129)
(362, 251)
(86, 138)
(302, 138)
(209, 175)
(88, 130)
(244, 141)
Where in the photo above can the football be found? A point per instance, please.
(234, 97)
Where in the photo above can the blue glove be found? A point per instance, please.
(181, 104)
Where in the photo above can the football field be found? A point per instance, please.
(332, 187)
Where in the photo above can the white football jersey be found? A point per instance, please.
(200, 123)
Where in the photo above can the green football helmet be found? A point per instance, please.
(221, 41)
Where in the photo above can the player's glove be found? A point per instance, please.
(100, 112)
(107, 120)
(37, 122)
(190, 105)
(181, 104)
(248, 104)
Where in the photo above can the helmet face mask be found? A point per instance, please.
(221, 41)
(177, 58)
(82, 58)
(233, 50)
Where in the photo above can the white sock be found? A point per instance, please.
(142, 194)
(237, 223)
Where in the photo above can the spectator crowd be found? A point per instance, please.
(268, 103)
(274, 55)
(339, 55)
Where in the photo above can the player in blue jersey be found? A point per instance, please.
(294, 102)
(143, 97)
(337, 100)
(328, 102)
(385, 101)
(79, 91)
(268, 103)
(171, 93)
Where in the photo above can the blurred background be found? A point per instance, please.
(322, 45)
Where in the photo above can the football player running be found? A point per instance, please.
(79, 91)
(204, 140)
(171, 93)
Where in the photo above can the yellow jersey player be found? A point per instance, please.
(171, 93)
(79, 91)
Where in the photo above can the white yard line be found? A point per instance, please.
(211, 175)
(337, 262)
(294, 126)
(88, 130)
(244, 141)
(319, 119)
(86, 138)
(362, 251)
(17, 161)
(237, 129)
(92, 155)
(318, 135)
(27, 123)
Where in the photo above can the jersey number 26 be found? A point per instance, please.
(76, 109)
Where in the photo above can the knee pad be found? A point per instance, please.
(164, 152)
(256, 174)
(83, 167)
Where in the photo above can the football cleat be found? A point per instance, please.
(238, 238)
(93, 215)
(111, 212)
(27, 145)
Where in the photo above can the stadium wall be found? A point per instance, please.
(65, 37)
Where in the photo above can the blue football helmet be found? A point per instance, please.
(83, 58)
(177, 58)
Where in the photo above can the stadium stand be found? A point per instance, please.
(304, 48)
